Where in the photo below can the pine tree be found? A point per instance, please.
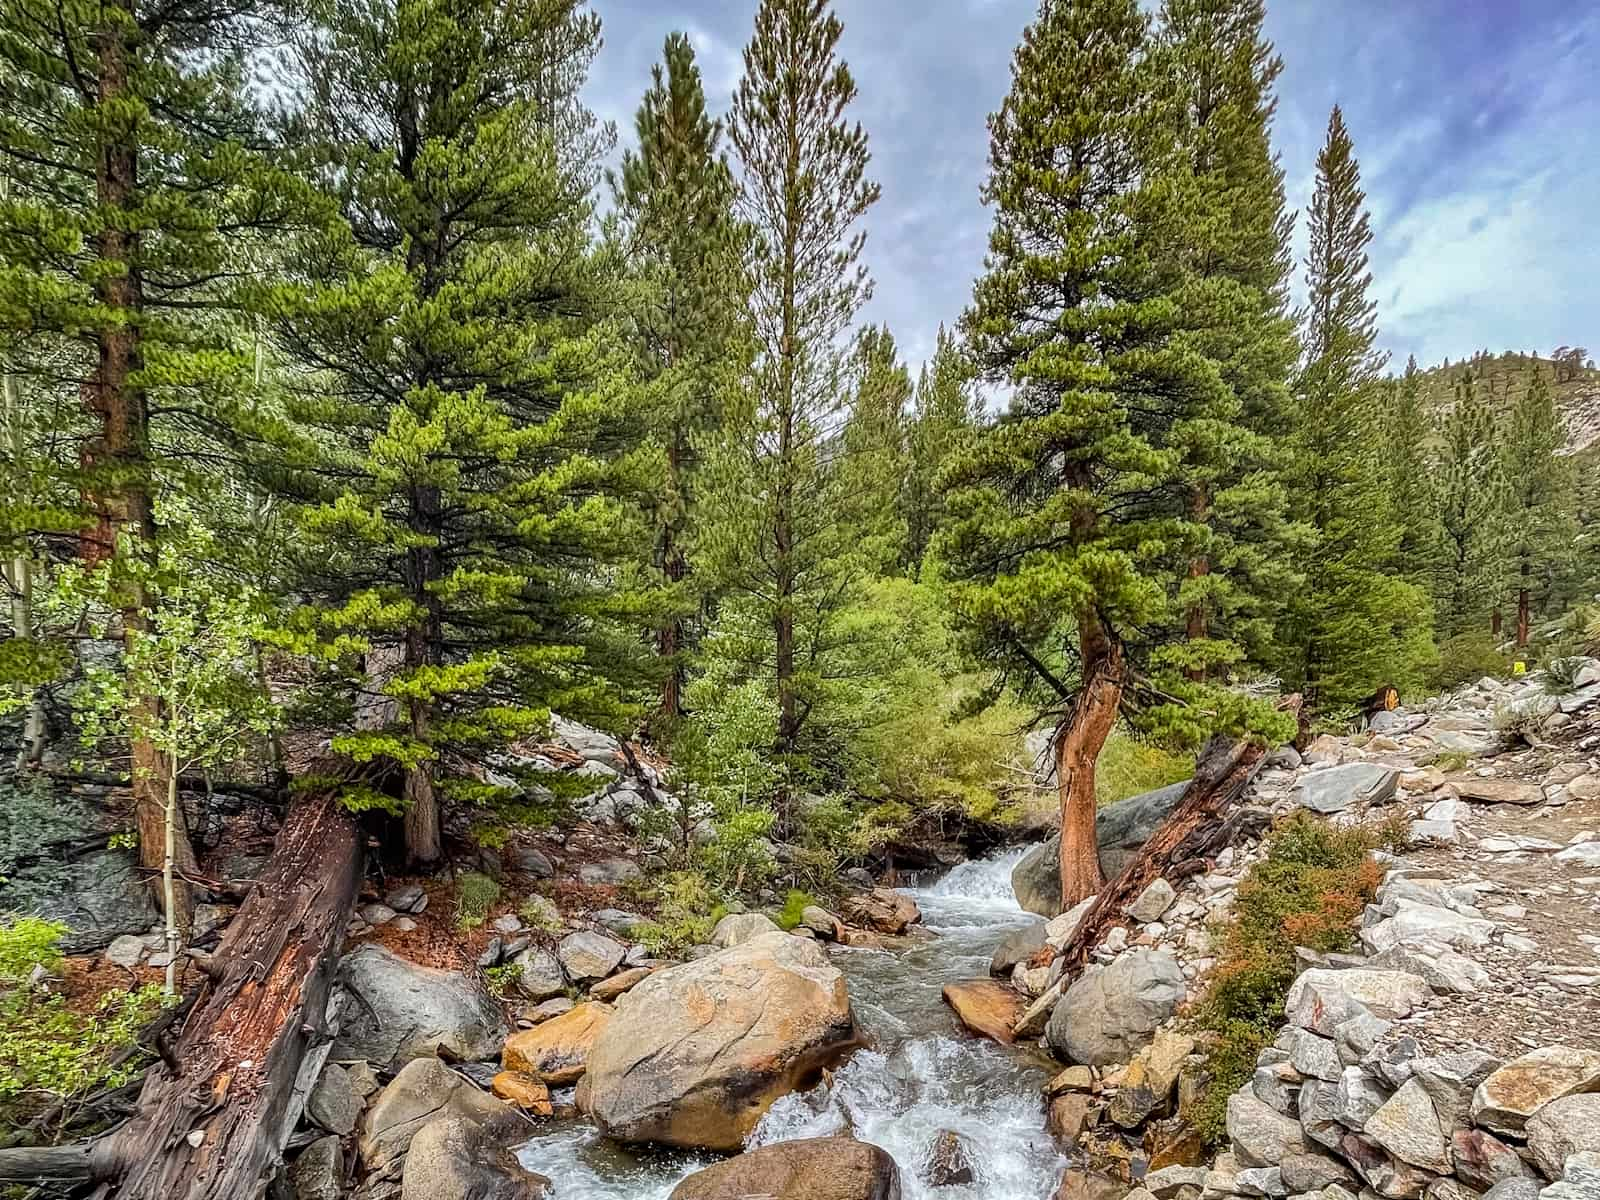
(1409, 478)
(945, 416)
(1472, 502)
(1540, 483)
(1230, 256)
(875, 462)
(474, 416)
(676, 194)
(134, 205)
(1353, 626)
(1068, 533)
(780, 544)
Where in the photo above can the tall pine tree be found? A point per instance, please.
(780, 544)
(1472, 502)
(945, 416)
(1069, 528)
(676, 194)
(1353, 626)
(458, 372)
(875, 462)
(1539, 483)
(1408, 475)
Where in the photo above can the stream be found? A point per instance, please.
(922, 1075)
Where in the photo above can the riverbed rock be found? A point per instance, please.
(1109, 1013)
(1335, 789)
(1121, 829)
(558, 1050)
(737, 928)
(949, 1160)
(986, 1007)
(587, 956)
(424, 1090)
(1561, 1128)
(1017, 946)
(832, 1168)
(528, 1093)
(696, 1054)
(1079, 1184)
(1506, 1099)
(882, 910)
(453, 1158)
(410, 1011)
(821, 922)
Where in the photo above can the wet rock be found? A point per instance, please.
(1069, 1115)
(1153, 902)
(737, 928)
(1017, 947)
(1561, 1128)
(696, 1054)
(318, 1174)
(587, 957)
(882, 910)
(1109, 1013)
(1260, 1136)
(333, 1103)
(1506, 1099)
(949, 1161)
(454, 1158)
(539, 974)
(558, 1050)
(833, 1168)
(1121, 830)
(1483, 1160)
(1407, 1126)
(986, 1007)
(1334, 789)
(609, 989)
(424, 1090)
(410, 1011)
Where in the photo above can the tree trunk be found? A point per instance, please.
(1078, 743)
(213, 1118)
(1523, 614)
(1195, 627)
(424, 839)
(169, 880)
(670, 637)
(424, 648)
(1495, 621)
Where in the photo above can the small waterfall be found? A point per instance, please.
(983, 880)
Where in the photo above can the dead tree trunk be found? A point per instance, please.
(213, 1117)
(1221, 774)
(1078, 744)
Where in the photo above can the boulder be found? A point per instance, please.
(1497, 791)
(831, 1168)
(1079, 1184)
(101, 895)
(318, 1174)
(1314, 1057)
(126, 951)
(526, 1092)
(821, 922)
(737, 928)
(1153, 902)
(1068, 1116)
(1334, 789)
(1515, 1189)
(1312, 1172)
(1322, 999)
(539, 974)
(1561, 1128)
(609, 872)
(1580, 1178)
(986, 1007)
(1385, 1174)
(453, 1158)
(1407, 1126)
(949, 1161)
(533, 861)
(1483, 1160)
(333, 1103)
(1506, 1099)
(882, 910)
(586, 956)
(1450, 1080)
(1260, 1136)
(1109, 1013)
(1121, 829)
(1058, 930)
(1148, 1082)
(696, 1054)
(423, 1091)
(558, 1050)
(408, 1011)
(1017, 946)
(1426, 924)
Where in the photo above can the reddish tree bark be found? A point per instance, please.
(1078, 742)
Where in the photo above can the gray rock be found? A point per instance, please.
(318, 1174)
(1335, 789)
(1017, 946)
(609, 872)
(1386, 721)
(333, 1103)
(1278, 1087)
(1315, 1057)
(1440, 967)
(1357, 1097)
(1121, 829)
(1450, 1080)
(411, 1011)
(533, 861)
(1260, 1136)
(1579, 1181)
(492, 953)
(1419, 924)
(1562, 1128)
(376, 914)
(1322, 999)
(1393, 1061)
(101, 896)
(587, 957)
(1312, 1172)
(1284, 758)
(125, 951)
(821, 922)
(1507, 1098)
(1356, 1038)
(1166, 1182)
(619, 922)
(408, 898)
(735, 929)
(1260, 1181)
(1319, 1113)
(1515, 1189)
(1110, 1013)
(1153, 902)
(209, 918)
(454, 1158)
(1408, 1128)
(1483, 1160)
(423, 1091)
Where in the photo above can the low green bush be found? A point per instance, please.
(687, 910)
(794, 907)
(476, 894)
(1469, 656)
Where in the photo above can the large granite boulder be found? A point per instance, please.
(1506, 1100)
(423, 1091)
(832, 1168)
(454, 1158)
(1120, 830)
(557, 1051)
(1334, 789)
(98, 897)
(1110, 1013)
(410, 1011)
(882, 910)
(696, 1054)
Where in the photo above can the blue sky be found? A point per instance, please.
(1477, 124)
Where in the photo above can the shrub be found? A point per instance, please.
(476, 894)
(541, 914)
(688, 909)
(1561, 674)
(1130, 765)
(1469, 656)
(502, 980)
(1308, 891)
(794, 908)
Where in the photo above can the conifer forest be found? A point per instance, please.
(492, 608)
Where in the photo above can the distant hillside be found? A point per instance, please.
(1503, 376)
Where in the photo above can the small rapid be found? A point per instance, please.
(923, 1075)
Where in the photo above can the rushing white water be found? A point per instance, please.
(924, 1075)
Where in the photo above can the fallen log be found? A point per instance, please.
(1222, 773)
(212, 1118)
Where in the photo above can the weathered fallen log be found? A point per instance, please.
(212, 1118)
(1221, 775)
